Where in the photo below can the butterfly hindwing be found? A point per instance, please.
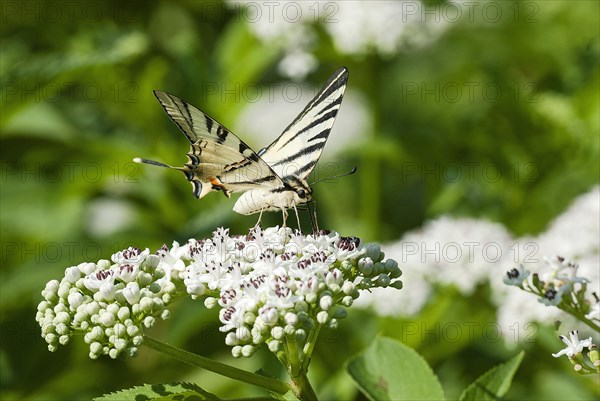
(298, 149)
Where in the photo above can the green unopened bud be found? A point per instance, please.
(397, 285)
(236, 351)
(144, 279)
(373, 251)
(322, 317)
(347, 301)
(274, 346)
(123, 313)
(113, 353)
(210, 302)
(154, 288)
(248, 350)
(311, 298)
(149, 321)
(535, 280)
(152, 261)
(277, 332)
(64, 339)
(594, 355)
(289, 330)
(382, 281)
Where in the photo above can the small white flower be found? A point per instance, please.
(574, 346)
(594, 312)
(127, 272)
(131, 255)
(553, 297)
(95, 280)
(72, 274)
(516, 276)
(132, 293)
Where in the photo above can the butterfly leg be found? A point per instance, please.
(313, 216)
(259, 218)
(285, 215)
(298, 219)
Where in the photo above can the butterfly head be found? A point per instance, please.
(300, 190)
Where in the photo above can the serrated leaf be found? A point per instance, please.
(289, 396)
(494, 383)
(389, 370)
(160, 392)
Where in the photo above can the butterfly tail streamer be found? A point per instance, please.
(200, 188)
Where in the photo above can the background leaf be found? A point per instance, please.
(160, 392)
(494, 384)
(389, 370)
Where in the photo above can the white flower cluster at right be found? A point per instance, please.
(465, 253)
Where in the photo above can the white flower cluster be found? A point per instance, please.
(356, 27)
(272, 285)
(465, 253)
(109, 302)
(558, 282)
(458, 252)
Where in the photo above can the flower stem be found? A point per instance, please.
(310, 346)
(302, 388)
(581, 317)
(265, 382)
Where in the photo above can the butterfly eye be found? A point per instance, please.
(301, 193)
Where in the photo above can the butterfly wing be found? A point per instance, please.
(298, 149)
(218, 160)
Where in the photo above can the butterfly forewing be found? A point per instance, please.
(298, 149)
(217, 154)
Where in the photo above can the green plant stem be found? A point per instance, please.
(583, 319)
(293, 357)
(309, 347)
(302, 388)
(268, 383)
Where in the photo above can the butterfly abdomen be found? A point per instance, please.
(257, 200)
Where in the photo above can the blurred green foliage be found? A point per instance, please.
(77, 106)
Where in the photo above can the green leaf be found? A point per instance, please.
(494, 383)
(162, 392)
(389, 370)
(289, 396)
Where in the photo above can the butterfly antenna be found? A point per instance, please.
(333, 177)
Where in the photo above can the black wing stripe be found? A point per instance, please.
(321, 135)
(304, 139)
(331, 105)
(267, 178)
(209, 123)
(313, 123)
(304, 169)
(302, 152)
(181, 127)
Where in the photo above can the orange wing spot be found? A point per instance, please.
(216, 183)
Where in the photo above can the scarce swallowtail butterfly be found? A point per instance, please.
(272, 179)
